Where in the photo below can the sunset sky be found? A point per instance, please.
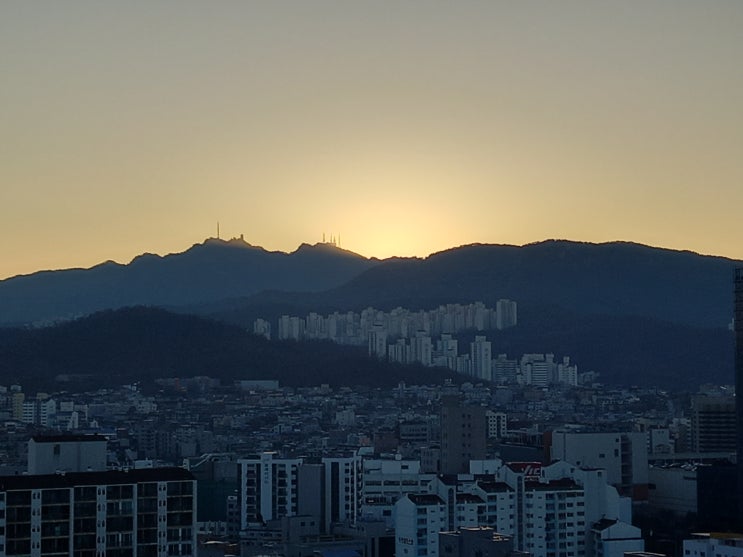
(405, 127)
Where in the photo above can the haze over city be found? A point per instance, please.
(405, 128)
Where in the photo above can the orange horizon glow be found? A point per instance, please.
(407, 129)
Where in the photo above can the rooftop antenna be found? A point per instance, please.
(217, 230)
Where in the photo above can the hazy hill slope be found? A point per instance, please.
(613, 279)
(626, 350)
(610, 279)
(209, 271)
(141, 344)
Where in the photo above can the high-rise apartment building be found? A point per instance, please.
(268, 488)
(481, 357)
(378, 341)
(506, 314)
(136, 513)
(738, 316)
(446, 352)
(713, 423)
(538, 369)
(274, 488)
(463, 436)
(343, 480)
(418, 520)
(421, 348)
(504, 370)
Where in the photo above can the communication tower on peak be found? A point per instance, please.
(332, 240)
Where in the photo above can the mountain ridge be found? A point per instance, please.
(211, 270)
(617, 277)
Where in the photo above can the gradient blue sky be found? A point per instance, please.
(405, 127)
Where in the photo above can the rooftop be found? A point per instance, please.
(109, 477)
(67, 438)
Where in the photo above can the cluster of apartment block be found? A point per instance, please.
(558, 510)
(427, 338)
(539, 370)
(577, 506)
(354, 328)
(42, 409)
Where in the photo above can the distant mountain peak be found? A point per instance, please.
(212, 270)
(237, 242)
(324, 247)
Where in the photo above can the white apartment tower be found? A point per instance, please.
(506, 314)
(419, 518)
(421, 348)
(268, 488)
(134, 513)
(538, 369)
(342, 489)
(378, 341)
(481, 357)
(446, 352)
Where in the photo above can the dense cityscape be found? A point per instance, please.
(524, 456)
(529, 342)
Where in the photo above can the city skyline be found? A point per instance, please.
(405, 129)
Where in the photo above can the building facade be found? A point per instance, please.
(738, 326)
(713, 424)
(135, 513)
(714, 545)
(548, 511)
(624, 456)
(463, 436)
(48, 454)
(267, 488)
